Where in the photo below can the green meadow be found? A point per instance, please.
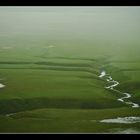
(50, 62)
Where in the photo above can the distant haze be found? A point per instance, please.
(86, 23)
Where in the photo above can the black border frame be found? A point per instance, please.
(70, 3)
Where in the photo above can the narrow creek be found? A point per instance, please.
(114, 83)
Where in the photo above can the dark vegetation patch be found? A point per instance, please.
(121, 61)
(47, 63)
(15, 62)
(58, 69)
(17, 105)
(68, 58)
(53, 66)
(98, 62)
(91, 77)
(63, 64)
(130, 69)
(80, 69)
(129, 86)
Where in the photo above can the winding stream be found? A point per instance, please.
(114, 83)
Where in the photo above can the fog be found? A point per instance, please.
(86, 23)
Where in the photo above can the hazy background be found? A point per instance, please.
(115, 28)
(89, 23)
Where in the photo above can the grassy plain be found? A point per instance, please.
(51, 71)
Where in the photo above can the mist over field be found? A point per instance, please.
(70, 69)
(87, 23)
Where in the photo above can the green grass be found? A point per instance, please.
(66, 120)
(57, 89)
(68, 84)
